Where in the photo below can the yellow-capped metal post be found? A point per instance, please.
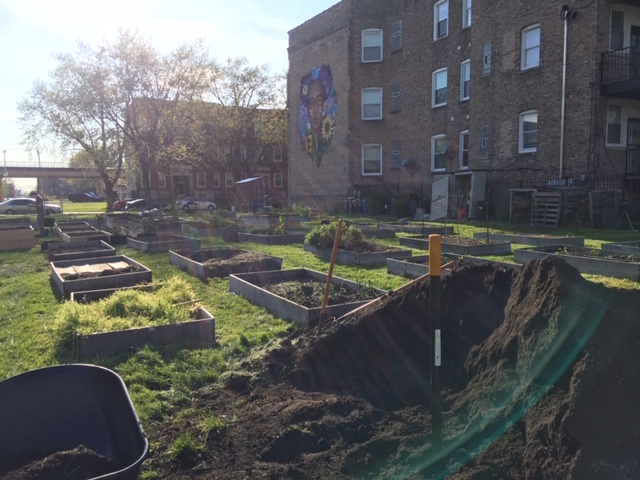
(435, 268)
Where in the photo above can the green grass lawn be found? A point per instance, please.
(159, 379)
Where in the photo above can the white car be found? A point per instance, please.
(23, 206)
(192, 203)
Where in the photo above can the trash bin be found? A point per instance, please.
(61, 407)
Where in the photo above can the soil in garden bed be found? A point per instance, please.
(102, 273)
(77, 464)
(221, 262)
(576, 252)
(309, 293)
(538, 381)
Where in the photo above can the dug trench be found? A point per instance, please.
(540, 380)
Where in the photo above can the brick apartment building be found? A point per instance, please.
(464, 101)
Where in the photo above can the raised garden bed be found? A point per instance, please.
(74, 250)
(85, 235)
(586, 260)
(163, 243)
(532, 239)
(97, 273)
(267, 220)
(223, 261)
(195, 333)
(460, 245)
(286, 239)
(16, 237)
(616, 248)
(72, 226)
(417, 266)
(416, 228)
(259, 289)
(348, 257)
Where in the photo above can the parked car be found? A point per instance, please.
(85, 197)
(23, 206)
(141, 204)
(193, 203)
(121, 203)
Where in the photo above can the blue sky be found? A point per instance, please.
(32, 30)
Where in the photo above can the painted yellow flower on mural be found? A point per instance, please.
(327, 128)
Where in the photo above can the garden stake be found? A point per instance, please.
(334, 253)
(435, 246)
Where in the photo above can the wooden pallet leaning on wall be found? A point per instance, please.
(546, 208)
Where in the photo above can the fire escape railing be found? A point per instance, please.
(621, 65)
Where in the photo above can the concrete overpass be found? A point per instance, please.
(49, 172)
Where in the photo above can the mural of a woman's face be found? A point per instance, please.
(315, 105)
(317, 112)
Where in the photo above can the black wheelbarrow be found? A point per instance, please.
(61, 407)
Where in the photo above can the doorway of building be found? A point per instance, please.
(181, 186)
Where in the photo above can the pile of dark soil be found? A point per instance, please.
(540, 378)
(77, 464)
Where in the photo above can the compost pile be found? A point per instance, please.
(540, 379)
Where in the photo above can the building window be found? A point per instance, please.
(396, 36)
(486, 59)
(372, 45)
(243, 152)
(438, 153)
(201, 180)
(372, 159)
(277, 154)
(465, 79)
(277, 180)
(395, 153)
(216, 180)
(371, 103)
(162, 180)
(530, 47)
(441, 19)
(528, 132)
(145, 181)
(614, 125)
(616, 40)
(396, 97)
(464, 150)
(466, 13)
(228, 179)
(439, 88)
(485, 141)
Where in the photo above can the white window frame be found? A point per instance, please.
(201, 180)
(437, 139)
(374, 102)
(611, 30)
(464, 135)
(527, 63)
(228, 179)
(216, 180)
(277, 153)
(439, 16)
(243, 152)
(434, 84)
(372, 38)
(521, 132)
(621, 119)
(465, 77)
(162, 180)
(466, 13)
(368, 148)
(277, 180)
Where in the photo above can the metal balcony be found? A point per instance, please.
(621, 73)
